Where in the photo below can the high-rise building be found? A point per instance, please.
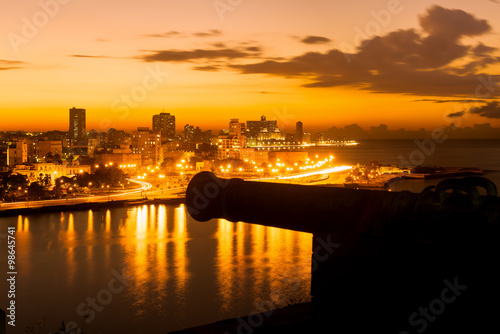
(299, 132)
(148, 144)
(230, 145)
(17, 154)
(188, 132)
(164, 123)
(77, 126)
(236, 128)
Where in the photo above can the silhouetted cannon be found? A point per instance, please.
(386, 262)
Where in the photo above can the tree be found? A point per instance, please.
(47, 180)
(57, 158)
(36, 191)
(108, 176)
(16, 181)
(44, 180)
(49, 158)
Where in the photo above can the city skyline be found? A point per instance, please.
(348, 131)
(207, 63)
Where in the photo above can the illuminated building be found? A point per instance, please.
(148, 144)
(46, 146)
(254, 127)
(164, 123)
(230, 145)
(55, 171)
(77, 127)
(252, 155)
(299, 132)
(188, 132)
(17, 154)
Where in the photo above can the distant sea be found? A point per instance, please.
(481, 153)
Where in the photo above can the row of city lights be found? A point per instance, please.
(310, 165)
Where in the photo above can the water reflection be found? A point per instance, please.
(261, 261)
(225, 275)
(180, 238)
(22, 224)
(183, 273)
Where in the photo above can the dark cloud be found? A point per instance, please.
(482, 50)
(456, 114)
(167, 34)
(89, 56)
(182, 56)
(213, 54)
(11, 65)
(253, 49)
(178, 34)
(315, 40)
(355, 132)
(210, 33)
(208, 68)
(450, 101)
(476, 65)
(452, 23)
(219, 45)
(418, 62)
(489, 110)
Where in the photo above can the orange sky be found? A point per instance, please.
(209, 61)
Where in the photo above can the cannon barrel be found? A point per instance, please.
(343, 211)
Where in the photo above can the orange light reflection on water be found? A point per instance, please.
(154, 245)
(179, 238)
(269, 260)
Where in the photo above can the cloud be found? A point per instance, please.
(456, 114)
(210, 33)
(208, 68)
(315, 40)
(89, 56)
(450, 101)
(481, 49)
(411, 61)
(178, 34)
(452, 23)
(489, 110)
(11, 65)
(355, 132)
(167, 34)
(224, 53)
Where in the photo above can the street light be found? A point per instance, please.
(108, 191)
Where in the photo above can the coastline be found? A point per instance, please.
(88, 206)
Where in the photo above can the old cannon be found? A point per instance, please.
(383, 262)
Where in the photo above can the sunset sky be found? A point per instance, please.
(408, 64)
